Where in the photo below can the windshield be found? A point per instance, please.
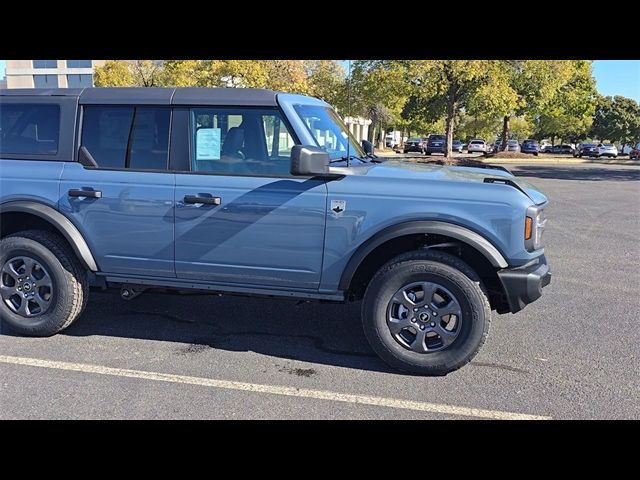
(437, 137)
(328, 131)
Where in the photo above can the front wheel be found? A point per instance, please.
(426, 312)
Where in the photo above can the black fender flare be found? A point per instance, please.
(471, 238)
(60, 222)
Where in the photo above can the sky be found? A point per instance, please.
(613, 77)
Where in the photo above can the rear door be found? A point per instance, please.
(241, 218)
(124, 206)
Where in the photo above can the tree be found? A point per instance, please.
(569, 113)
(617, 119)
(129, 73)
(443, 88)
(532, 84)
(377, 89)
(327, 81)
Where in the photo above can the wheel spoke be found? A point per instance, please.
(23, 309)
(429, 290)
(10, 270)
(42, 303)
(44, 281)
(418, 343)
(402, 298)
(396, 325)
(7, 292)
(452, 308)
(446, 336)
(28, 265)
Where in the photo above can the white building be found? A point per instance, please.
(358, 126)
(50, 73)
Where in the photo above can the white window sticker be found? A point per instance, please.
(208, 144)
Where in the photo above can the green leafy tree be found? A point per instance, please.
(129, 73)
(569, 113)
(617, 119)
(327, 81)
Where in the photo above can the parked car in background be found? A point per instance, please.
(564, 149)
(606, 150)
(530, 146)
(414, 144)
(547, 149)
(456, 146)
(634, 154)
(436, 144)
(585, 150)
(543, 146)
(495, 148)
(477, 145)
(513, 146)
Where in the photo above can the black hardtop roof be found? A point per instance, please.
(156, 95)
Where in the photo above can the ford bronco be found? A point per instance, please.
(254, 192)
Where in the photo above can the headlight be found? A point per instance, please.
(534, 225)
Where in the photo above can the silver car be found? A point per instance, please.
(513, 146)
(477, 146)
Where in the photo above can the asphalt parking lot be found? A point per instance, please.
(575, 353)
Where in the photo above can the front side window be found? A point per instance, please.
(78, 63)
(29, 128)
(79, 80)
(240, 141)
(127, 137)
(45, 64)
(329, 132)
(45, 81)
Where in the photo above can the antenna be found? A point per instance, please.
(349, 111)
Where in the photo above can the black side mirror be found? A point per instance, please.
(309, 160)
(367, 146)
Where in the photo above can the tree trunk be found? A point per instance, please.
(381, 143)
(373, 133)
(505, 133)
(452, 105)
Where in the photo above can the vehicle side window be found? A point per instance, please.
(29, 128)
(237, 141)
(127, 137)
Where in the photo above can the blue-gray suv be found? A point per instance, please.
(259, 193)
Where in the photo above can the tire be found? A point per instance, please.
(535, 154)
(428, 153)
(449, 273)
(69, 289)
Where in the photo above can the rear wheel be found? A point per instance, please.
(426, 312)
(43, 287)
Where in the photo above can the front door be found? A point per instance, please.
(241, 218)
(124, 205)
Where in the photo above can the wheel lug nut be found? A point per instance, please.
(413, 320)
(435, 314)
(19, 289)
(433, 324)
(421, 327)
(415, 309)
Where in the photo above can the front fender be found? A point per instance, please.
(471, 238)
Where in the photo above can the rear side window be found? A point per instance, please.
(127, 137)
(31, 129)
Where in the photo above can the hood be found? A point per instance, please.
(427, 171)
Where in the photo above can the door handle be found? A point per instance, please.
(85, 193)
(192, 199)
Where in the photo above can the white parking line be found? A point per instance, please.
(272, 389)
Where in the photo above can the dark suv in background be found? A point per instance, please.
(414, 145)
(585, 149)
(530, 146)
(436, 144)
